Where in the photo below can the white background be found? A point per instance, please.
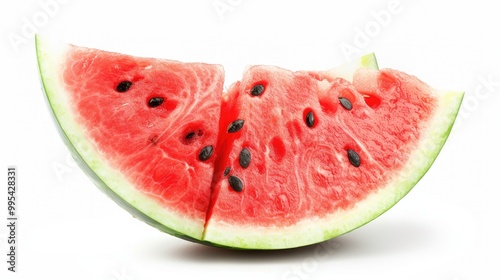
(447, 228)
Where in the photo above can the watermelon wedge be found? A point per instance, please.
(282, 159)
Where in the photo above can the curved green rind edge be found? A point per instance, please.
(308, 232)
(47, 87)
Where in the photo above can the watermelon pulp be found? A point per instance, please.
(282, 159)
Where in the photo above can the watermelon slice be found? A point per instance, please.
(282, 159)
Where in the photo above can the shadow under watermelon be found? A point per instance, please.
(384, 238)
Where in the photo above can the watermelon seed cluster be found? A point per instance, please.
(244, 158)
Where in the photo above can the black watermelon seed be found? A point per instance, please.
(346, 103)
(235, 183)
(310, 119)
(206, 153)
(245, 157)
(190, 135)
(155, 102)
(123, 86)
(226, 171)
(257, 90)
(235, 126)
(353, 158)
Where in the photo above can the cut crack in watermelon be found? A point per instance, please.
(282, 159)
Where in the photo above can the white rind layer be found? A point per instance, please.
(51, 57)
(319, 229)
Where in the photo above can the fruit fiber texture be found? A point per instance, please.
(281, 159)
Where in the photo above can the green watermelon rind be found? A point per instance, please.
(51, 56)
(317, 229)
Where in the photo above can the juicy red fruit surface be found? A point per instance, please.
(154, 129)
(305, 168)
(307, 146)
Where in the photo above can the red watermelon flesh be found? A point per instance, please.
(282, 159)
(302, 171)
(152, 149)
